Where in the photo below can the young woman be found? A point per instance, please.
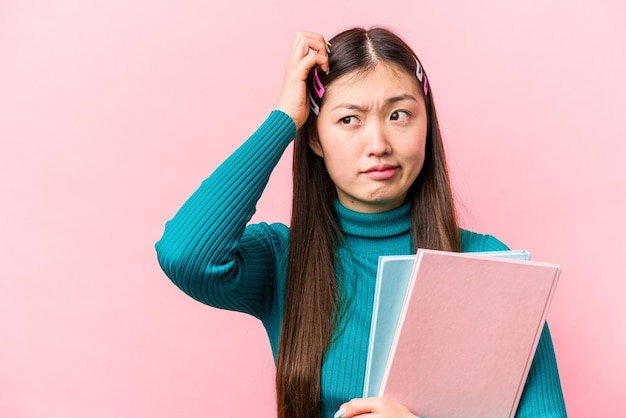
(369, 179)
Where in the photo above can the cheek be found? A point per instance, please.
(337, 146)
(338, 157)
(414, 156)
(414, 149)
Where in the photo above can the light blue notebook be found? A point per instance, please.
(392, 280)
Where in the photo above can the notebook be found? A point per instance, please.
(392, 281)
(466, 334)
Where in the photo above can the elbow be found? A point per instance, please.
(164, 257)
(185, 264)
(170, 257)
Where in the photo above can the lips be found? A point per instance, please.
(381, 167)
(381, 171)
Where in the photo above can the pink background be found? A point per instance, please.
(112, 112)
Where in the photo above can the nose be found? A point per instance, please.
(378, 143)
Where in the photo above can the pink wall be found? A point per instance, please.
(112, 112)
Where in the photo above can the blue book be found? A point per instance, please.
(392, 281)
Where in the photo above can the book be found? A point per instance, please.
(455, 337)
(392, 280)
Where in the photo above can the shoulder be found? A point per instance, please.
(474, 242)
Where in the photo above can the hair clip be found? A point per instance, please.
(314, 107)
(419, 73)
(317, 84)
(421, 76)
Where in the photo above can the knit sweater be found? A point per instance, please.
(211, 253)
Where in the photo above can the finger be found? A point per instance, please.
(308, 50)
(359, 407)
(297, 72)
(307, 44)
(372, 407)
(310, 40)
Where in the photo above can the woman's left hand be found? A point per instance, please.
(373, 407)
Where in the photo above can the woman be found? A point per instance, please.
(369, 179)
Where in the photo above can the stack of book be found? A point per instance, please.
(454, 334)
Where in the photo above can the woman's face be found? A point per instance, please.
(372, 137)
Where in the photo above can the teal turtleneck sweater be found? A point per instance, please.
(210, 252)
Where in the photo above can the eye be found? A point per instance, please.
(349, 120)
(399, 115)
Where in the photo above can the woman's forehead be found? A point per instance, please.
(384, 79)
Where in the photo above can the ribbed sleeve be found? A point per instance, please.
(203, 249)
(542, 396)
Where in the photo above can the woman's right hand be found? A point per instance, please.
(307, 50)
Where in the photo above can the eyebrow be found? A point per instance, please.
(391, 100)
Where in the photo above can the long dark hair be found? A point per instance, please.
(311, 296)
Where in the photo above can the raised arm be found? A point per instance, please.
(206, 249)
(202, 249)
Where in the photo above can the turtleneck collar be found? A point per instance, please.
(367, 230)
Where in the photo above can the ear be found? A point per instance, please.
(314, 144)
